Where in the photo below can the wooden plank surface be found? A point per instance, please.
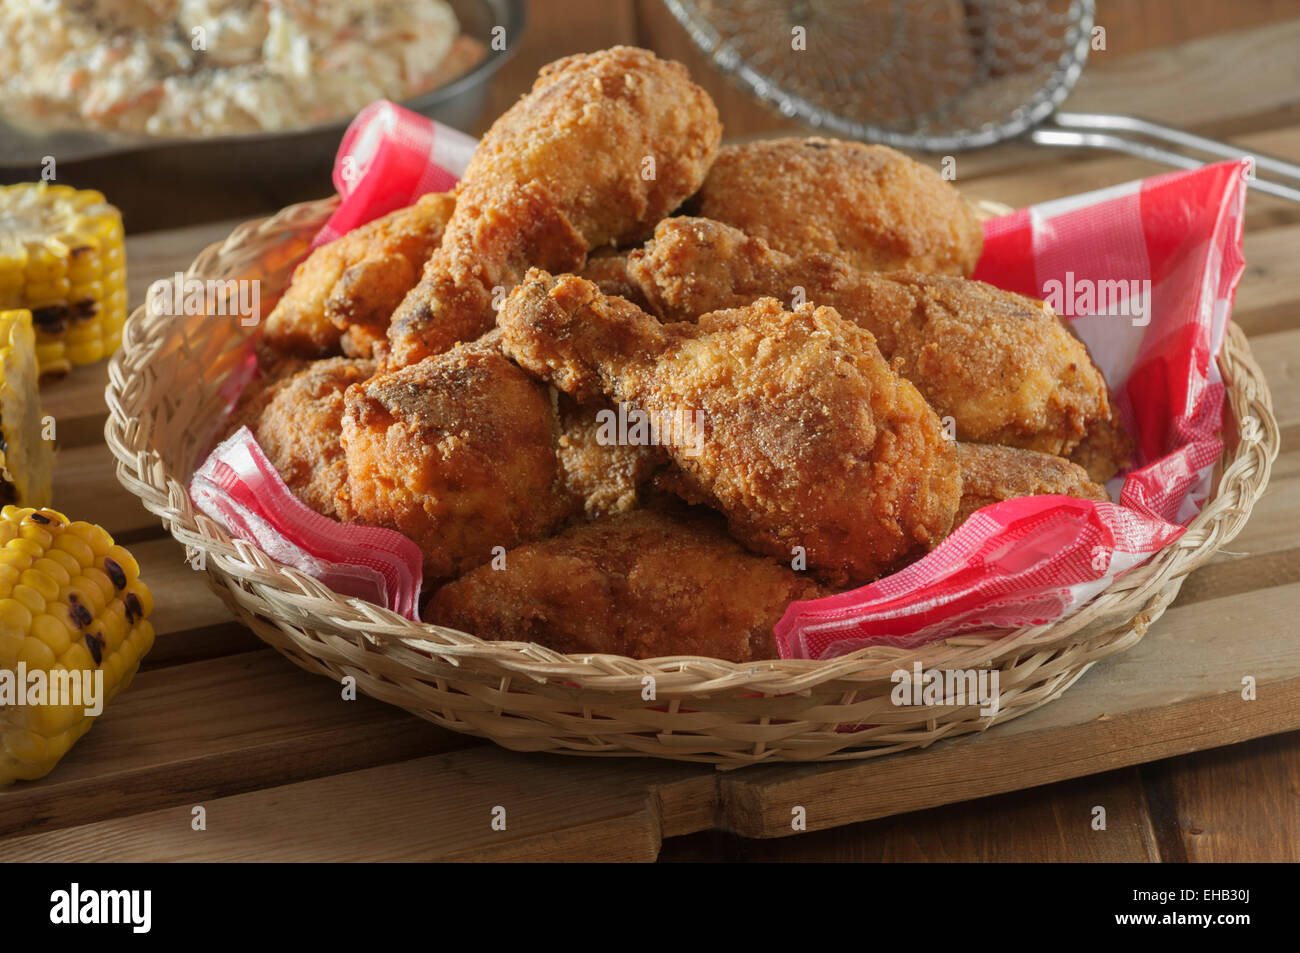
(1177, 691)
(1005, 828)
(278, 758)
(1231, 804)
(433, 808)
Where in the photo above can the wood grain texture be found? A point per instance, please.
(1176, 692)
(434, 808)
(244, 723)
(1155, 83)
(1040, 825)
(209, 729)
(1137, 25)
(1239, 804)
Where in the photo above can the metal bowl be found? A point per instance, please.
(458, 103)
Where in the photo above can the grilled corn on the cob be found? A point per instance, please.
(62, 257)
(26, 458)
(72, 606)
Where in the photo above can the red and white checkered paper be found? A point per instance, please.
(1032, 560)
(388, 158)
(1021, 562)
(240, 489)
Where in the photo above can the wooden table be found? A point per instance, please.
(286, 770)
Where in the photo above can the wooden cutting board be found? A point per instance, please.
(287, 770)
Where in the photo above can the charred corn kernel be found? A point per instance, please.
(130, 567)
(62, 257)
(26, 458)
(73, 629)
(141, 592)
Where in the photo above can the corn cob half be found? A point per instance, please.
(72, 609)
(26, 458)
(62, 258)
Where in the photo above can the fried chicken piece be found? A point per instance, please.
(296, 418)
(342, 295)
(606, 268)
(1003, 366)
(870, 205)
(257, 393)
(1105, 449)
(609, 477)
(991, 474)
(791, 424)
(603, 147)
(644, 584)
(458, 452)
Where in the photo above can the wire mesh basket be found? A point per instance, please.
(939, 75)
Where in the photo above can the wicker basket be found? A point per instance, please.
(164, 397)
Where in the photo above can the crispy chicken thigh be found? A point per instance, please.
(870, 205)
(1003, 366)
(295, 419)
(344, 292)
(991, 474)
(608, 476)
(644, 584)
(458, 452)
(791, 424)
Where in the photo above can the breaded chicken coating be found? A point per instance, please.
(870, 205)
(791, 424)
(296, 420)
(609, 477)
(458, 452)
(1003, 366)
(343, 294)
(603, 147)
(607, 270)
(644, 584)
(991, 474)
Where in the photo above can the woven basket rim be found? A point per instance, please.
(1140, 595)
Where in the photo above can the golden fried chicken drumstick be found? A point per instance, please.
(296, 418)
(458, 452)
(1003, 366)
(791, 424)
(344, 292)
(603, 147)
(870, 205)
(643, 584)
(991, 474)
